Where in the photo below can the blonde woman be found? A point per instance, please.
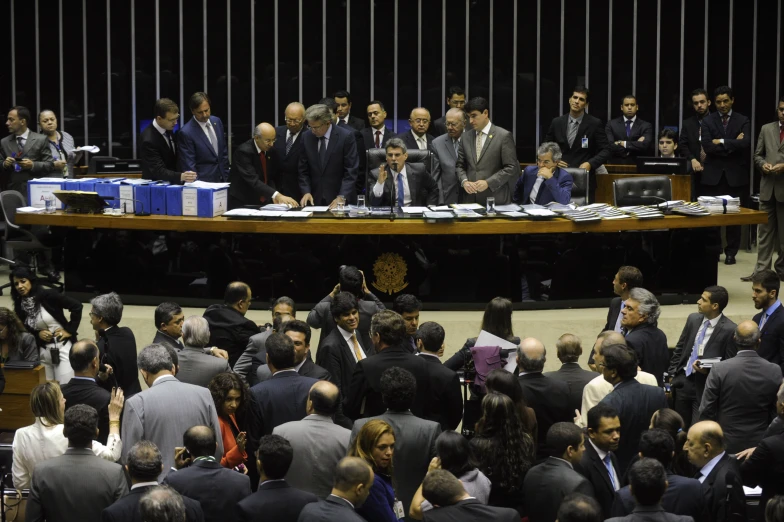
(375, 444)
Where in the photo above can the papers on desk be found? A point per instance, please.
(207, 185)
(488, 339)
(752, 492)
(514, 214)
(316, 209)
(539, 212)
(466, 213)
(252, 212)
(440, 208)
(438, 215)
(92, 149)
(415, 210)
(298, 214)
(467, 206)
(720, 204)
(276, 206)
(31, 210)
(507, 208)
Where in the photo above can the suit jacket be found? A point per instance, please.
(470, 510)
(159, 162)
(318, 445)
(548, 483)
(328, 510)
(37, 149)
(422, 187)
(770, 150)
(247, 176)
(771, 347)
(650, 344)
(574, 377)
(196, 367)
(411, 143)
(650, 514)
(730, 157)
(438, 127)
(288, 167)
(369, 138)
(550, 400)
(715, 489)
(321, 317)
(765, 468)
(557, 189)
(364, 396)
(684, 496)
(253, 357)
(336, 356)
(163, 413)
(740, 394)
(445, 404)
(612, 317)
(498, 165)
(117, 348)
(167, 340)
(689, 142)
(308, 369)
(597, 153)
(444, 170)
(85, 391)
(592, 468)
(195, 152)
(55, 495)
(274, 501)
(635, 404)
(217, 489)
(415, 446)
(338, 176)
(127, 508)
(229, 330)
(616, 131)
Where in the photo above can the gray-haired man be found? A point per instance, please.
(546, 182)
(405, 184)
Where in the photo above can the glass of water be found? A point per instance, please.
(341, 204)
(361, 208)
(491, 205)
(49, 203)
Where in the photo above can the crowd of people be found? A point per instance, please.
(238, 422)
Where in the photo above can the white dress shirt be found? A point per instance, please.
(378, 188)
(598, 389)
(421, 141)
(350, 344)
(707, 468)
(382, 130)
(205, 127)
(159, 128)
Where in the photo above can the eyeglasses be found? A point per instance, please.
(293, 122)
(421, 120)
(314, 127)
(451, 125)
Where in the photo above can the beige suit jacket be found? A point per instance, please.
(769, 150)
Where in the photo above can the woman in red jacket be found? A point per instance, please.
(230, 395)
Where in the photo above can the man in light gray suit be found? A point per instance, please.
(195, 366)
(318, 443)
(25, 149)
(167, 409)
(415, 438)
(491, 169)
(445, 151)
(740, 393)
(76, 486)
(283, 309)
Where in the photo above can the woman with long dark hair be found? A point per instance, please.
(375, 444)
(15, 343)
(496, 320)
(230, 395)
(502, 381)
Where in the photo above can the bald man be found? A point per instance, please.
(705, 449)
(254, 171)
(417, 137)
(288, 147)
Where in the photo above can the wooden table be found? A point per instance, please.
(358, 226)
(15, 400)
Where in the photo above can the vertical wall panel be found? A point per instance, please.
(360, 58)
(670, 90)
(573, 38)
(598, 21)
(242, 120)
(550, 68)
(383, 50)
(503, 74)
(433, 57)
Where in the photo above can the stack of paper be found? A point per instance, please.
(579, 215)
(539, 212)
(720, 204)
(467, 206)
(207, 185)
(465, 213)
(643, 212)
(438, 215)
(691, 209)
(276, 206)
(31, 210)
(414, 210)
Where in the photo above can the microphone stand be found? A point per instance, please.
(393, 198)
(122, 202)
(666, 203)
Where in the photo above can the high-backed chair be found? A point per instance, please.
(581, 182)
(642, 190)
(376, 157)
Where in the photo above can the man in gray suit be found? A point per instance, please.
(27, 154)
(318, 443)
(415, 438)
(283, 309)
(195, 366)
(740, 393)
(445, 151)
(487, 164)
(167, 409)
(57, 495)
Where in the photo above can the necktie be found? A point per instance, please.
(764, 320)
(342, 123)
(378, 139)
(480, 140)
(322, 151)
(263, 159)
(357, 350)
(400, 190)
(213, 137)
(169, 139)
(724, 120)
(695, 350)
(422, 143)
(289, 143)
(456, 143)
(702, 151)
(535, 189)
(781, 133)
(572, 132)
(620, 318)
(413, 344)
(628, 128)
(20, 141)
(608, 464)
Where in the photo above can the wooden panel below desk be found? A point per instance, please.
(681, 186)
(15, 400)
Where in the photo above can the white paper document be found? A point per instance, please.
(467, 206)
(507, 208)
(316, 209)
(514, 214)
(296, 214)
(488, 339)
(438, 215)
(415, 210)
(92, 149)
(440, 208)
(31, 210)
(206, 185)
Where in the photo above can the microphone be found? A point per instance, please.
(393, 169)
(657, 198)
(124, 200)
(729, 481)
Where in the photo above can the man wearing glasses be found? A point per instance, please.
(158, 150)
(455, 99)
(417, 137)
(288, 147)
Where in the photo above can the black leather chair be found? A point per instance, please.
(642, 190)
(580, 192)
(376, 157)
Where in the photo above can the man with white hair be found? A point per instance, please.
(545, 182)
(195, 366)
(640, 324)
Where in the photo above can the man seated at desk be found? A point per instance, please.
(411, 185)
(545, 182)
(668, 146)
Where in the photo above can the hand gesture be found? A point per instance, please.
(743, 455)
(45, 335)
(26, 164)
(740, 136)
(116, 404)
(217, 352)
(435, 463)
(586, 166)
(470, 187)
(307, 198)
(565, 165)
(335, 202)
(545, 172)
(697, 367)
(578, 418)
(188, 176)
(280, 199)
(696, 165)
(382, 174)
(180, 459)
(641, 139)
(60, 164)
(481, 185)
(241, 439)
(335, 291)
(8, 162)
(61, 334)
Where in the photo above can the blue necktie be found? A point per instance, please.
(322, 151)
(400, 192)
(764, 320)
(695, 350)
(620, 318)
(20, 142)
(628, 128)
(608, 464)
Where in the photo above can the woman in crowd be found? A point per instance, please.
(15, 343)
(230, 395)
(41, 310)
(497, 320)
(375, 444)
(456, 456)
(60, 143)
(44, 439)
(505, 452)
(502, 381)
(670, 421)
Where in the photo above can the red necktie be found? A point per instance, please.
(378, 145)
(781, 133)
(263, 159)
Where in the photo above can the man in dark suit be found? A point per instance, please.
(455, 99)
(202, 142)
(358, 138)
(648, 483)
(417, 137)
(684, 495)
(640, 321)
(158, 151)
(328, 167)
(451, 503)
(718, 471)
(415, 438)
(288, 147)
(409, 182)
(569, 350)
(144, 465)
(388, 331)
(689, 143)
(377, 135)
(24, 150)
(83, 388)
(546, 182)
(629, 136)
(254, 175)
(117, 345)
(445, 150)
(552, 480)
(55, 494)
(580, 136)
(599, 463)
(548, 397)
(168, 321)
(740, 393)
(353, 480)
(408, 306)
(445, 404)
(275, 499)
(765, 287)
(634, 402)
(726, 139)
(343, 112)
(707, 334)
(200, 477)
(299, 333)
(229, 328)
(283, 309)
